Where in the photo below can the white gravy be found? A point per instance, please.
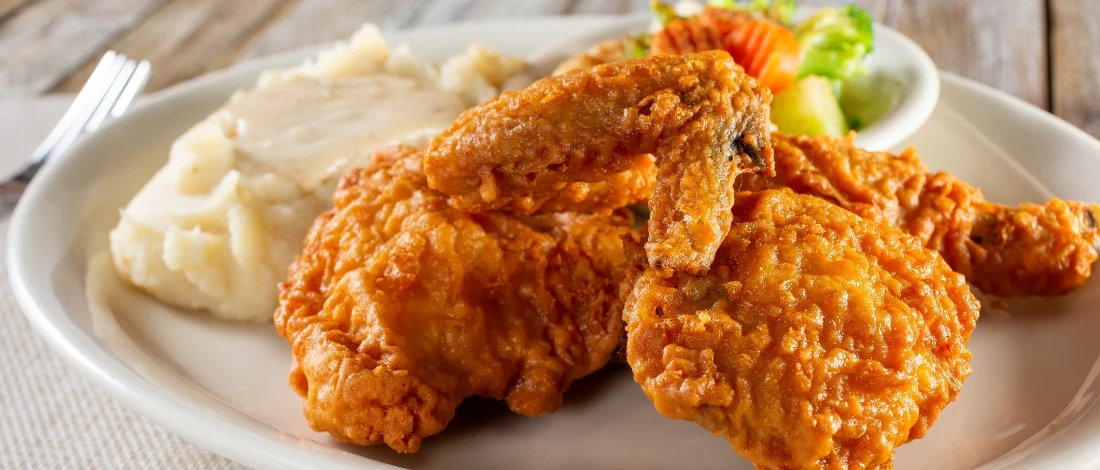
(309, 129)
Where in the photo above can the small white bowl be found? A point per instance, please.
(895, 56)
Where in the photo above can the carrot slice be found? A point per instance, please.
(767, 50)
(684, 37)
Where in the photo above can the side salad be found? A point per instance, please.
(816, 68)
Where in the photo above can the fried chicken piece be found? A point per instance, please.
(632, 186)
(818, 339)
(602, 52)
(1028, 250)
(400, 306)
(699, 115)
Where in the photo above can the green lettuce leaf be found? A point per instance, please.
(779, 11)
(835, 42)
(636, 46)
(665, 13)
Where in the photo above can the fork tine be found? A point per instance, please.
(85, 114)
(111, 97)
(133, 87)
(92, 91)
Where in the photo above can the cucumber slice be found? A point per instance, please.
(867, 98)
(809, 107)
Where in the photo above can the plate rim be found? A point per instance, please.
(197, 426)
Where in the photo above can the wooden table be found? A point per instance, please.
(1046, 52)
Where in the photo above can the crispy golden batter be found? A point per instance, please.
(400, 306)
(617, 191)
(602, 52)
(818, 339)
(1043, 250)
(699, 115)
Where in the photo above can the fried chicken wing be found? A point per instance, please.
(400, 306)
(699, 115)
(818, 339)
(1031, 249)
(617, 191)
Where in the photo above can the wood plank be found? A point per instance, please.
(43, 43)
(278, 16)
(449, 11)
(318, 21)
(981, 39)
(7, 7)
(402, 14)
(879, 9)
(608, 7)
(492, 9)
(185, 38)
(1075, 62)
(298, 23)
(439, 12)
(987, 40)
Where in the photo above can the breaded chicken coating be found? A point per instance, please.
(701, 118)
(400, 306)
(1028, 250)
(817, 340)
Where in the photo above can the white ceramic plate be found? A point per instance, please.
(1029, 404)
(897, 63)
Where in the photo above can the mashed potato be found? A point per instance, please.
(216, 228)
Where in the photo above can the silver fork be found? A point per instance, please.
(109, 91)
